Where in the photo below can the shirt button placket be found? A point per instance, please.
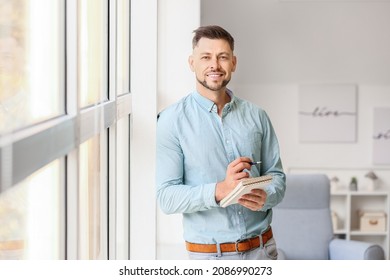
(228, 142)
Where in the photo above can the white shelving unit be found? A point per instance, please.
(347, 203)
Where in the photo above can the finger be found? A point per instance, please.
(259, 192)
(240, 159)
(241, 175)
(254, 206)
(240, 163)
(253, 199)
(241, 166)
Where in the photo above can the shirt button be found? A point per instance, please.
(239, 212)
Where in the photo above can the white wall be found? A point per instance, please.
(144, 103)
(176, 21)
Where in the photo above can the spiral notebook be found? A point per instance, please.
(244, 187)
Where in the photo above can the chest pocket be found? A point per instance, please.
(249, 145)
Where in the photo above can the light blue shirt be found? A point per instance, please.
(195, 146)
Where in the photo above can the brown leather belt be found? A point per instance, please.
(239, 246)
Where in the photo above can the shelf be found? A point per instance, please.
(360, 193)
(369, 193)
(347, 204)
(339, 193)
(340, 231)
(369, 233)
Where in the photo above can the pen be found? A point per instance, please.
(255, 162)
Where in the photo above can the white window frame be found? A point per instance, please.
(34, 147)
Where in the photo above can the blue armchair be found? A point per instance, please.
(302, 224)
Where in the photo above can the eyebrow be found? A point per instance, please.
(221, 53)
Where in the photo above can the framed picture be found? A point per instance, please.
(381, 136)
(327, 113)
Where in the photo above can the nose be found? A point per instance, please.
(214, 65)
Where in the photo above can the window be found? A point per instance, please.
(31, 215)
(92, 194)
(64, 132)
(93, 51)
(31, 72)
(123, 50)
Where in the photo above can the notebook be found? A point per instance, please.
(244, 187)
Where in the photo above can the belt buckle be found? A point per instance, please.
(237, 243)
(236, 246)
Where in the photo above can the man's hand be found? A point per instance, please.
(254, 200)
(234, 173)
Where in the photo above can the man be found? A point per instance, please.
(206, 144)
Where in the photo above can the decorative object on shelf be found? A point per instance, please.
(372, 221)
(334, 183)
(335, 221)
(353, 184)
(372, 180)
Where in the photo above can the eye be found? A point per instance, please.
(205, 57)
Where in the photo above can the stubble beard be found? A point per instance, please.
(214, 88)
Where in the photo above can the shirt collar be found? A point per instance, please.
(229, 106)
(210, 105)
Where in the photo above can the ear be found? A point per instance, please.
(234, 61)
(191, 63)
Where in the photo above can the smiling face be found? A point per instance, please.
(213, 62)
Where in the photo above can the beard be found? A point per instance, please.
(216, 87)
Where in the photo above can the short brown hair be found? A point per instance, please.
(212, 32)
